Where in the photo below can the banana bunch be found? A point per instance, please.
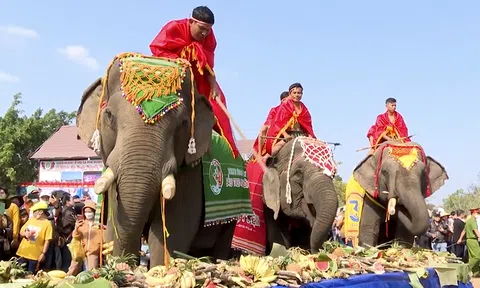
(261, 268)
(158, 277)
(55, 276)
(187, 280)
(107, 248)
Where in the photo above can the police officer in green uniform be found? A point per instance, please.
(473, 235)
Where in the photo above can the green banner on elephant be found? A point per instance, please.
(225, 184)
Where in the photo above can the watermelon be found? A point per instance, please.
(322, 265)
(378, 268)
(84, 277)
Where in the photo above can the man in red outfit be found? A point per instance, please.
(193, 39)
(260, 141)
(292, 119)
(388, 126)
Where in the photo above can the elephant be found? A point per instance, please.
(145, 160)
(400, 191)
(314, 200)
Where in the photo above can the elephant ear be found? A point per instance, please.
(271, 190)
(364, 173)
(87, 112)
(203, 122)
(437, 174)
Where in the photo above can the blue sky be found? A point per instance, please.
(349, 55)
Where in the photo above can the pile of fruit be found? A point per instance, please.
(294, 268)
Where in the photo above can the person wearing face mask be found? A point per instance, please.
(36, 235)
(32, 197)
(88, 232)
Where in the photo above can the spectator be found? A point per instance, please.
(438, 233)
(458, 225)
(145, 254)
(90, 236)
(36, 235)
(64, 228)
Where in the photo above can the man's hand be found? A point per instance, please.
(53, 200)
(214, 93)
(142, 254)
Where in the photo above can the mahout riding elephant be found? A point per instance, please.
(396, 179)
(148, 160)
(313, 202)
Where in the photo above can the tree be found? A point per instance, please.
(462, 199)
(21, 135)
(340, 187)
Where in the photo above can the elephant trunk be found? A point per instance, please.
(319, 188)
(414, 213)
(142, 167)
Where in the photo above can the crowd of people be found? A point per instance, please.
(39, 226)
(455, 232)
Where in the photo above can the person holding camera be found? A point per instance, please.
(65, 224)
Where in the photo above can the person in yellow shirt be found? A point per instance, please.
(36, 235)
(13, 212)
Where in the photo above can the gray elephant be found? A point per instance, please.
(146, 160)
(396, 179)
(313, 202)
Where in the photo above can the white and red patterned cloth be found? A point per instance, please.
(250, 234)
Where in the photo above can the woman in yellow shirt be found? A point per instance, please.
(36, 235)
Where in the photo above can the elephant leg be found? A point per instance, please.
(214, 241)
(277, 230)
(184, 211)
(370, 224)
(223, 245)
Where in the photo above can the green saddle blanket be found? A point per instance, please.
(225, 184)
(151, 84)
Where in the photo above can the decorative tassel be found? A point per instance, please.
(192, 146)
(96, 141)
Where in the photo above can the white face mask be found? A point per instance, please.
(35, 200)
(89, 215)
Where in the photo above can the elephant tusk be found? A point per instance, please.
(168, 187)
(391, 206)
(104, 182)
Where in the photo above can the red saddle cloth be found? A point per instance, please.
(250, 233)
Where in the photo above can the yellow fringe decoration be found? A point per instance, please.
(155, 81)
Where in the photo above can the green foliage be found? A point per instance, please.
(462, 199)
(21, 135)
(340, 187)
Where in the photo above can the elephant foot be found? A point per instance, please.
(168, 187)
(104, 182)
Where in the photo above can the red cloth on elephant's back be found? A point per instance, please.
(251, 236)
(284, 118)
(175, 41)
(383, 123)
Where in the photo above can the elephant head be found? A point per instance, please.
(313, 195)
(408, 187)
(141, 157)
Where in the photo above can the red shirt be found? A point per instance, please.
(398, 129)
(285, 117)
(175, 41)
